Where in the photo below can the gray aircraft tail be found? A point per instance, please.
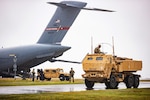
(66, 13)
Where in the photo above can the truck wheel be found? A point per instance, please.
(113, 84)
(136, 81)
(107, 84)
(67, 78)
(62, 77)
(89, 84)
(129, 81)
(48, 79)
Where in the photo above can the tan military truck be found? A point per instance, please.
(56, 73)
(110, 70)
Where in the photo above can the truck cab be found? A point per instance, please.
(97, 66)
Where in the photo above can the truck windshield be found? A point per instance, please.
(89, 58)
(46, 70)
(99, 58)
(54, 71)
(61, 70)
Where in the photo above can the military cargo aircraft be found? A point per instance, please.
(48, 47)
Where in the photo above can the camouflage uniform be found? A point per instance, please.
(33, 75)
(72, 74)
(97, 49)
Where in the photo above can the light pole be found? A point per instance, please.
(15, 64)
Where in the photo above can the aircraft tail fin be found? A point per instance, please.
(63, 18)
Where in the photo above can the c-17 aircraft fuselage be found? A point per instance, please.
(49, 45)
(30, 56)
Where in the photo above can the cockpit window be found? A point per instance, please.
(99, 58)
(90, 58)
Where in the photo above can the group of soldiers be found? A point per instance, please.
(40, 74)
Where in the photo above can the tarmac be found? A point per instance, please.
(59, 88)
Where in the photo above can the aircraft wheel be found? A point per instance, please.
(113, 83)
(129, 81)
(89, 84)
(62, 77)
(136, 81)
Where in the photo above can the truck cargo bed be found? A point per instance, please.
(129, 65)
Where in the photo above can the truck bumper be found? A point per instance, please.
(95, 77)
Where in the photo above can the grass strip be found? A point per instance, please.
(123, 94)
(27, 82)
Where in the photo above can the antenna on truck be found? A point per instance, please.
(91, 45)
(113, 46)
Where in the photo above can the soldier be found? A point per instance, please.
(38, 74)
(72, 74)
(33, 75)
(41, 75)
(97, 49)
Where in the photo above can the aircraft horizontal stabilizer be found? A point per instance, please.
(61, 4)
(97, 9)
(69, 4)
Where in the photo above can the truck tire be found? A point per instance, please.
(129, 81)
(112, 84)
(62, 77)
(136, 81)
(107, 84)
(48, 79)
(67, 78)
(89, 84)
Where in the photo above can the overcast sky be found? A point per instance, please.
(23, 21)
